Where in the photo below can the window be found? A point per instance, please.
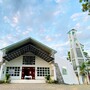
(72, 53)
(78, 51)
(43, 71)
(29, 60)
(64, 71)
(74, 64)
(13, 71)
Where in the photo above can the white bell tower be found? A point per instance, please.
(76, 53)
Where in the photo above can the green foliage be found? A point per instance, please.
(69, 58)
(1, 81)
(88, 63)
(85, 5)
(84, 71)
(86, 54)
(7, 78)
(80, 1)
(47, 77)
(84, 68)
(55, 81)
(83, 0)
(49, 80)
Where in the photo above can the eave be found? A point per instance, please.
(28, 48)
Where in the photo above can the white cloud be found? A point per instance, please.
(59, 1)
(84, 17)
(29, 30)
(79, 32)
(15, 19)
(62, 49)
(4, 42)
(57, 35)
(57, 12)
(48, 38)
(60, 45)
(77, 26)
(8, 39)
(6, 19)
(88, 27)
(75, 16)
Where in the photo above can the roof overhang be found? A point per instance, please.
(27, 41)
(28, 45)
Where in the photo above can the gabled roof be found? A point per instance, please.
(28, 45)
(29, 40)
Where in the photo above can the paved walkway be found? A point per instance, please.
(43, 87)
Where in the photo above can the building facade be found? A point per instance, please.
(28, 61)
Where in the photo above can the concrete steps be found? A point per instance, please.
(28, 81)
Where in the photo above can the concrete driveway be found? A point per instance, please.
(43, 87)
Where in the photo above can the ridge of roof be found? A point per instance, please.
(22, 41)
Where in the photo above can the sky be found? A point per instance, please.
(47, 21)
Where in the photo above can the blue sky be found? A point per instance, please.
(47, 21)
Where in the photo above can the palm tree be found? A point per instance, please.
(84, 71)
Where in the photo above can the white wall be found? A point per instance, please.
(1, 66)
(3, 70)
(0, 72)
(70, 78)
(1, 53)
(18, 63)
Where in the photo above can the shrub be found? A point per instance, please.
(47, 77)
(55, 81)
(7, 78)
(1, 81)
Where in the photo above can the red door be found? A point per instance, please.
(32, 72)
(28, 71)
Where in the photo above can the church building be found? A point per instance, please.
(27, 61)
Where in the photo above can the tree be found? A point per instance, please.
(85, 5)
(84, 71)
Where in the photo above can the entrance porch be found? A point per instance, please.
(28, 73)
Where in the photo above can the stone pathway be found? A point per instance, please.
(43, 87)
